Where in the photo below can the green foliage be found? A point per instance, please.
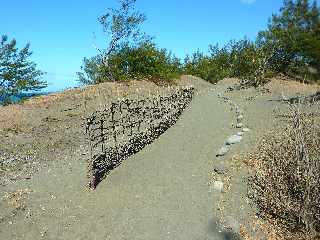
(221, 63)
(213, 67)
(144, 61)
(17, 72)
(290, 45)
(122, 26)
(198, 65)
(250, 63)
(295, 35)
(93, 71)
(242, 59)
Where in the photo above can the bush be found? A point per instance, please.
(144, 61)
(290, 46)
(295, 35)
(213, 67)
(286, 184)
(198, 65)
(251, 63)
(241, 59)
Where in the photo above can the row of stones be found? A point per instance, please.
(236, 138)
(229, 222)
(219, 168)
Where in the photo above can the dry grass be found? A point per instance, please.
(287, 86)
(16, 200)
(286, 180)
(43, 128)
(11, 118)
(16, 117)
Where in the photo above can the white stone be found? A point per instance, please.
(239, 117)
(232, 224)
(246, 130)
(223, 151)
(217, 186)
(239, 125)
(234, 139)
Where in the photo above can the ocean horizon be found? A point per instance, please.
(24, 96)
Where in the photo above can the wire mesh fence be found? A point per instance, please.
(129, 125)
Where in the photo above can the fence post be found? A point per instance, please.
(113, 105)
(91, 174)
(102, 136)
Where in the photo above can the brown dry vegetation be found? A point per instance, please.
(285, 182)
(283, 85)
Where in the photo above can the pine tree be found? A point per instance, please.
(17, 72)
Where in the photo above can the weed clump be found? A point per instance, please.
(286, 180)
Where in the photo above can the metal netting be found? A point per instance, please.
(129, 125)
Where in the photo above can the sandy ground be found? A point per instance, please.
(163, 192)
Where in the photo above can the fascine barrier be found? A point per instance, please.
(127, 126)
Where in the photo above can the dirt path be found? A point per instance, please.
(160, 193)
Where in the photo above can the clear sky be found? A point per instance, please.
(61, 31)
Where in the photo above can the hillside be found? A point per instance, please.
(166, 191)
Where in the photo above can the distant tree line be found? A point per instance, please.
(290, 45)
(130, 53)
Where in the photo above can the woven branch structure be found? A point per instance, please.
(127, 126)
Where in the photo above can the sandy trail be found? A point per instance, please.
(160, 193)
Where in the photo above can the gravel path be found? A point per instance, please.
(160, 193)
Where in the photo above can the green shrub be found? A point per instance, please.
(198, 65)
(250, 63)
(144, 61)
(213, 67)
(290, 45)
(242, 59)
(294, 34)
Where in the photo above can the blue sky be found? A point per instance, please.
(61, 31)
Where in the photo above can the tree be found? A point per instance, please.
(17, 72)
(295, 36)
(198, 64)
(122, 27)
(93, 71)
(143, 61)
